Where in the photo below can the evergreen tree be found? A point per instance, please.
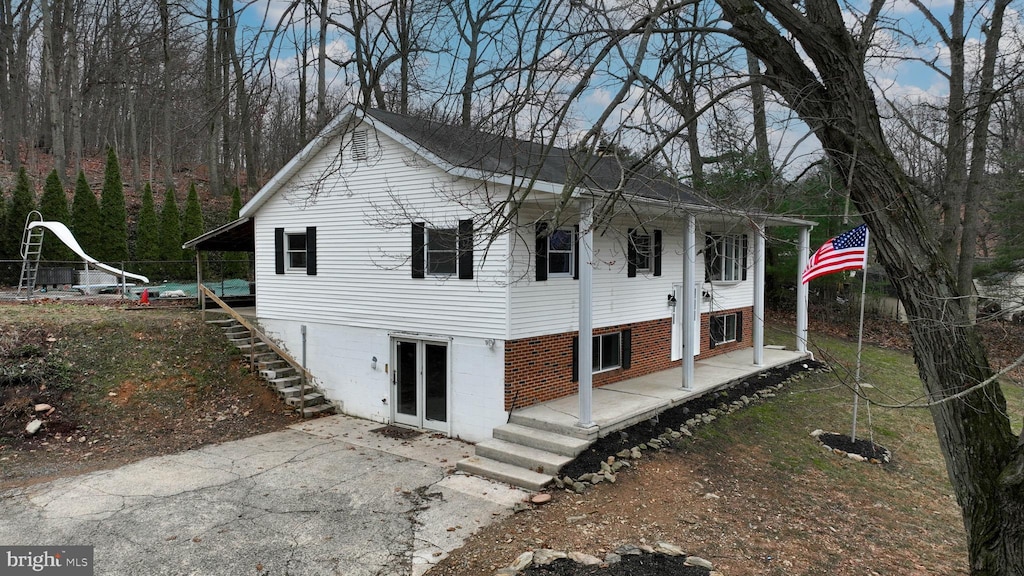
(113, 213)
(236, 264)
(85, 217)
(170, 237)
(22, 202)
(147, 235)
(54, 208)
(192, 221)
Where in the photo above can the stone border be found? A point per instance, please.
(545, 556)
(886, 457)
(622, 459)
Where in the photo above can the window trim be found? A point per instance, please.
(453, 260)
(290, 253)
(571, 273)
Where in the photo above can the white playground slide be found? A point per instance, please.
(65, 236)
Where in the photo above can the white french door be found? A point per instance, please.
(419, 383)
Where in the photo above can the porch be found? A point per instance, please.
(622, 404)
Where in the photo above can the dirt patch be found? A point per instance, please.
(123, 385)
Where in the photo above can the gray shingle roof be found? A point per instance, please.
(493, 154)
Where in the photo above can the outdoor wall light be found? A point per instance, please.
(671, 300)
(489, 342)
(373, 363)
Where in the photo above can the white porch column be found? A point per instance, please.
(801, 289)
(758, 319)
(689, 298)
(585, 352)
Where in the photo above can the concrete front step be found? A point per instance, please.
(588, 434)
(522, 456)
(541, 439)
(504, 472)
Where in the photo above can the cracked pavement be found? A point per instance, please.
(325, 496)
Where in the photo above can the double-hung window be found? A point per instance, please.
(442, 251)
(561, 247)
(556, 253)
(725, 257)
(295, 251)
(643, 253)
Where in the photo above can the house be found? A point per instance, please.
(425, 288)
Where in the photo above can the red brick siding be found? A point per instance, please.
(540, 369)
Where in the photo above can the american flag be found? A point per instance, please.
(848, 251)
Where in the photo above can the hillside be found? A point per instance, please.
(123, 385)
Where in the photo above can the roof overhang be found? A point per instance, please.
(237, 236)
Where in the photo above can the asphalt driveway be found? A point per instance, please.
(328, 496)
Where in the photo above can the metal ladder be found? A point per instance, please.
(31, 248)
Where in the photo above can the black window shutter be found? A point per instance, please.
(576, 253)
(311, 250)
(575, 358)
(279, 250)
(541, 256)
(744, 249)
(630, 255)
(417, 256)
(466, 249)
(709, 257)
(657, 252)
(739, 326)
(627, 349)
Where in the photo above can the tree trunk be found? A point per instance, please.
(321, 70)
(984, 461)
(168, 103)
(212, 101)
(52, 39)
(74, 92)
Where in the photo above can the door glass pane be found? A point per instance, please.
(436, 382)
(406, 378)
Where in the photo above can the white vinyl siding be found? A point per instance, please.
(363, 246)
(551, 306)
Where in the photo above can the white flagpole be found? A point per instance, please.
(860, 341)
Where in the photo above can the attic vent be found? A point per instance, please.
(359, 145)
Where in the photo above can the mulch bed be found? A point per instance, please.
(673, 418)
(860, 446)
